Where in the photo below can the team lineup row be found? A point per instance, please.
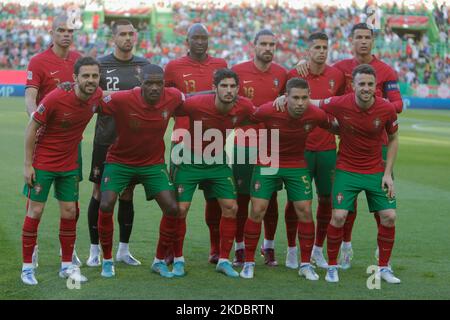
(365, 99)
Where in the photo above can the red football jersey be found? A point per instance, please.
(292, 133)
(260, 87)
(361, 132)
(331, 82)
(387, 79)
(387, 82)
(189, 75)
(46, 70)
(202, 109)
(140, 127)
(63, 117)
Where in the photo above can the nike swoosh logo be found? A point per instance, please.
(308, 192)
(187, 75)
(54, 72)
(247, 81)
(109, 71)
(67, 114)
(133, 114)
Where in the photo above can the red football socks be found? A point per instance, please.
(334, 240)
(241, 216)
(252, 233)
(306, 239)
(271, 219)
(290, 218)
(213, 213)
(323, 219)
(167, 231)
(179, 237)
(29, 237)
(67, 237)
(386, 237)
(105, 232)
(227, 234)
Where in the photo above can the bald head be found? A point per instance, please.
(197, 40)
(197, 28)
(62, 32)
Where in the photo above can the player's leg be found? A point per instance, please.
(158, 186)
(125, 217)
(222, 184)
(299, 190)
(379, 201)
(75, 259)
(36, 198)
(243, 166)
(95, 176)
(324, 173)
(270, 227)
(262, 188)
(185, 177)
(115, 179)
(212, 218)
(66, 192)
(346, 188)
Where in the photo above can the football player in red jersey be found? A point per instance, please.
(320, 153)
(45, 72)
(361, 39)
(52, 157)
(194, 73)
(262, 80)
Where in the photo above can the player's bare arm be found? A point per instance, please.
(30, 99)
(30, 141)
(387, 181)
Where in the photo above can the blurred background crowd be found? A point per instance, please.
(417, 59)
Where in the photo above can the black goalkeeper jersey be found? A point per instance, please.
(116, 75)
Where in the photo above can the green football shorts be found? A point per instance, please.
(66, 186)
(321, 165)
(155, 178)
(296, 180)
(347, 185)
(218, 178)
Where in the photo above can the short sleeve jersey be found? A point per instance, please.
(116, 75)
(361, 132)
(63, 117)
(260, 86)
(292, 133)
(203, 111)
(140, 126)
(46, 70)
(331, 82)
(189, 76)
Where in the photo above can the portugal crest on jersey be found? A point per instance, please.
(308, 127)
(234, 120)
(376, 123)
(276, 82)
(332, 83)
(165, 114)
(180, 189)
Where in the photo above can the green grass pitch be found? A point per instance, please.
(420, 256)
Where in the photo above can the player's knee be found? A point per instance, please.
(35, 212)
(172, 210)
(258, 211)
(126, 195)
(182, 210)
(304, 213)
(338, 220)
(388, 218)
(229, 209)
(106, 205)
